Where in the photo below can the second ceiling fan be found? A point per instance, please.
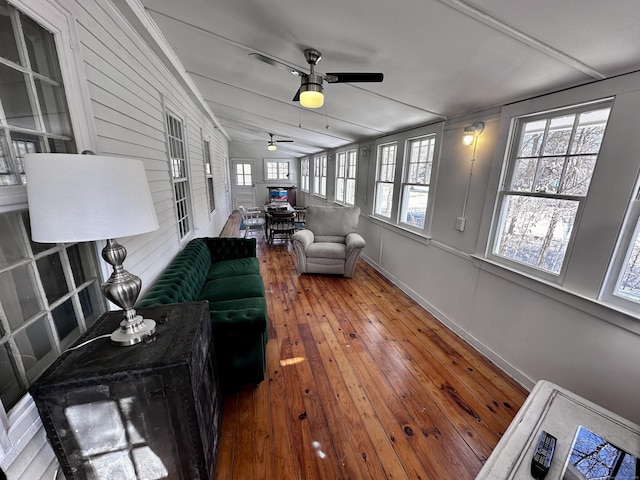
(310, 94)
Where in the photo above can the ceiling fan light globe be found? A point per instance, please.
(311, 99)
(271, 147)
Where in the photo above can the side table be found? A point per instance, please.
(558, 412)
(151, 410)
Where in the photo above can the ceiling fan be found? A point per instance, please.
(272, 143)
(310, 94)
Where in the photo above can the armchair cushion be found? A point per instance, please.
(332, 221)
(326, 250)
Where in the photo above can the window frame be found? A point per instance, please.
(278, 163)
(320, 175)
(180, 175)
(16, 424)
(347, 175)
(208, 175)
(508, 166)
(304, 175)
(407, 164)
(390, 175)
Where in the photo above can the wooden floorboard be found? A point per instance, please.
(362, 383)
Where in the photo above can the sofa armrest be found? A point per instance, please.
(354, 241)
(228, 248)
(303, 238)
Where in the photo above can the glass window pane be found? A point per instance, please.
(36, 347)
(628, 285)
(10, 388)
(414, 205)
(53, 105)
(536, 231)
(524, 173)
(42, 49)
(15, 98)
(549, 174)
(57, 145)
(384, 197)
(66, 322)
(91, 301)
(7, 170)
(557, 142)
(12, 246)
(52, 277)
(531, 141)
(590, 131)
(8, 45)
(577, 177)
(350, 195)
(18, 295)
(82, 260)
(24, 143)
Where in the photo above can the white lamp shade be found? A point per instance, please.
(78, 198)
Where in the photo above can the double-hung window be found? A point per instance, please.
(179, 172)
(320, 175)
(385, 177)
(209, 175)
(49, 293)
(417, 178)
(304, 174)
(346, 177)
(551, 161)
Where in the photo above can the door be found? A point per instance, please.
(244, 192)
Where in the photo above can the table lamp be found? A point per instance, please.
(82, 198)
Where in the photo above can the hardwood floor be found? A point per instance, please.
(362, 383)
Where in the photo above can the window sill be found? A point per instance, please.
(597, 308)
(405, 232)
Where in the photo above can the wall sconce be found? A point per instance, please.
(472, 132)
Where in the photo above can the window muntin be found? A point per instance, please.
(244, 175)
(385, 177)
(34, 115)
(209, 175)
(49, 295)
(417, 180)
(304, 174)
(320, 175)
(346, 163)
(552, 161)
(179, 174)
(277, 169)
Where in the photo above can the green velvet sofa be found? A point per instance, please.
(226, 273)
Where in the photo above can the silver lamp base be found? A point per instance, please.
(134, 332)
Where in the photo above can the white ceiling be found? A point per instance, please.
(440, 58)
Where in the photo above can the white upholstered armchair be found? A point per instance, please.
(329, 243)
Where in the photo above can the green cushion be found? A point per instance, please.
(238, 324)
(239, 303)
(233, 288)
(234, 268)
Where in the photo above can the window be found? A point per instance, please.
(384, 179)
(417, 177)
(50, 294)
(304, 174)
(179, 175)
(244, 176)
(34, 115)
(551, 163)
(346, 177)
(277, 169)
(209, 176)
(320, 175)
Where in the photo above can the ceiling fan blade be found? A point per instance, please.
(296, 98)
(347, 77)
(284, 141)
(277, 64)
